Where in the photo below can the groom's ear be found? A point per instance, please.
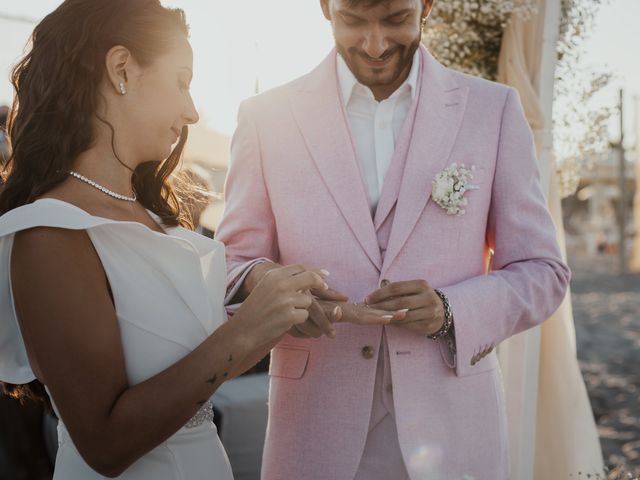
(427, 5)
(324, 4)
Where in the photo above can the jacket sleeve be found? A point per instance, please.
(528, 279)
(247, 227)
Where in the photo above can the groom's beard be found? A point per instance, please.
(400, 59)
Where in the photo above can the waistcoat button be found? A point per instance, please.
(368, 352)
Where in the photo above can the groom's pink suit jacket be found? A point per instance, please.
(295, 194)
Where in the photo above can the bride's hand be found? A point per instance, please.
(320, 322)
(279, 301)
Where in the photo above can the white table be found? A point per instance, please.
(242, 403)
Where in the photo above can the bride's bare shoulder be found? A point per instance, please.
(45, 245)
(42, 247)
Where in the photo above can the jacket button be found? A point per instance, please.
(368, 352)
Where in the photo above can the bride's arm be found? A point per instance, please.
(71, 333)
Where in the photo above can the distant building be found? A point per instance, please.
(591, 214)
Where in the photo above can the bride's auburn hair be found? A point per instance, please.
(54, 109)
(57, 93)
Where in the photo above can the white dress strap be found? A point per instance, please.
(48, 212)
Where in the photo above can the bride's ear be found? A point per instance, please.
(120, 65)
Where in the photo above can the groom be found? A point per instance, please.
(403, 179)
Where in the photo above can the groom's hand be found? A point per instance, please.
(359, 313)
(331, 307)
(425, 311)
(320, 321)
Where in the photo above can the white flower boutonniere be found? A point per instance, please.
(449, 188)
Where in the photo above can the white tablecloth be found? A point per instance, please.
(242, 403)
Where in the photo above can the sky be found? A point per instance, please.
(275, 41)
(613, 47)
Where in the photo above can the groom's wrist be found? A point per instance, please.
(447, 324)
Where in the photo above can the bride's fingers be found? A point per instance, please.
(336, 314)
(321, 320)
(330, 294)
(293, 272)
(298, 268)
(306, 281)
(331, 310)
(302, 300)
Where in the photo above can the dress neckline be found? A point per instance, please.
(164, 233)
(192, 240)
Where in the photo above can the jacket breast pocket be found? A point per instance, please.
(288, 362)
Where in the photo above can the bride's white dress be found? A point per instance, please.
(168, 291)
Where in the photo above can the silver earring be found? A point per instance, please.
(423, 22)
(123, 90)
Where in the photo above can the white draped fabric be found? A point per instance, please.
(552, 432)
(635, 256)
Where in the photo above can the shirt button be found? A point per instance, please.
(368, 352)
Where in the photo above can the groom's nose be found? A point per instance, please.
(375, 42)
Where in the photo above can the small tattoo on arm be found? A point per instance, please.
(213, 379)
(225, 374)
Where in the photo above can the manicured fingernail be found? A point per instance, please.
(325, 286)
(324, 272)
(404, 310)
(387, 317)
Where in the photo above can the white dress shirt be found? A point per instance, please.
(375, 126)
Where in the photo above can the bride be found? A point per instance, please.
(104, 297)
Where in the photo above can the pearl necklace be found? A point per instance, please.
(101, 188)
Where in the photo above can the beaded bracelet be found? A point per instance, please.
(448, 317)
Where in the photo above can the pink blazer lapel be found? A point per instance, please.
(393, 178)
(440, 109)
(319, 112)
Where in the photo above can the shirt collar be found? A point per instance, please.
(348, 81)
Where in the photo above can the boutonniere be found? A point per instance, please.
(450, 186)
